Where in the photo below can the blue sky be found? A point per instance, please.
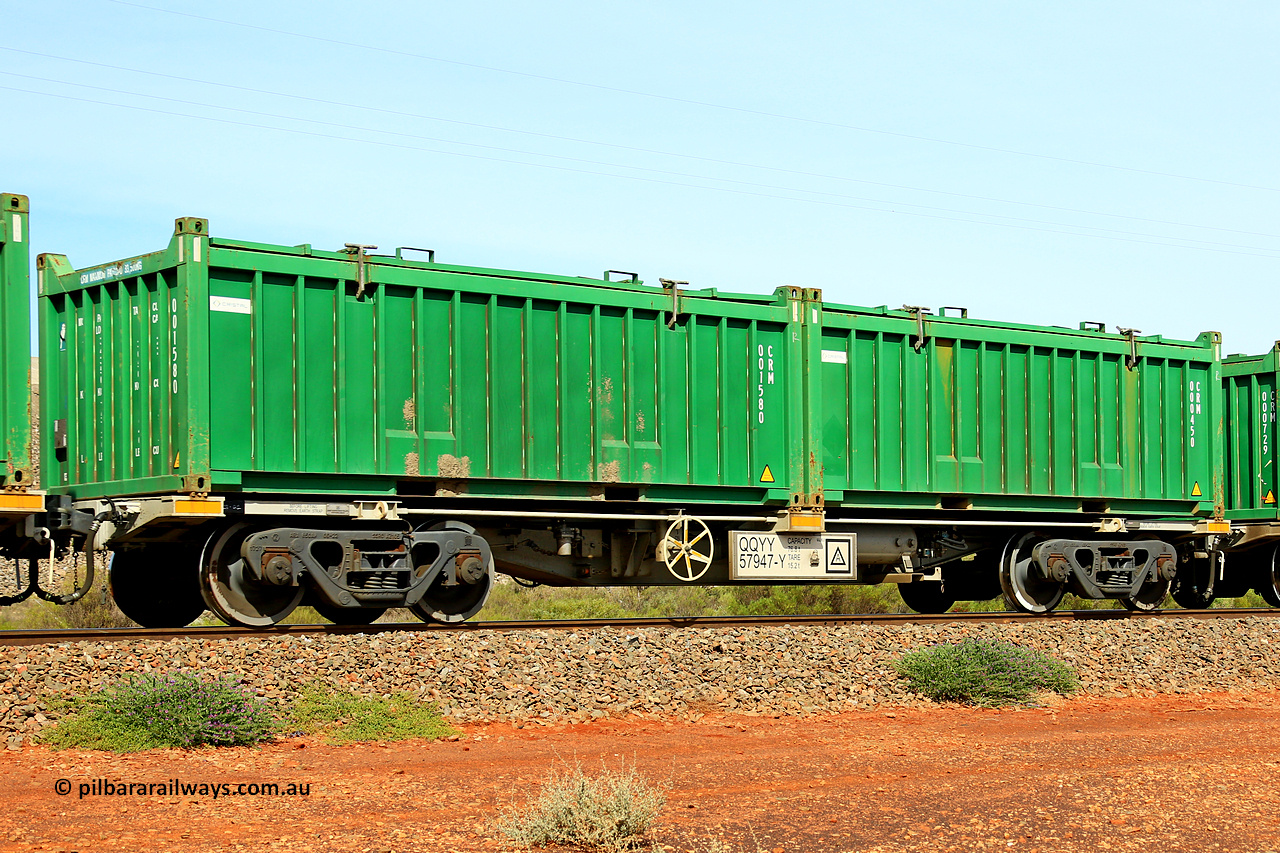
(1042, 163)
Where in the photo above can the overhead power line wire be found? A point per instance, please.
(618, 146)
(588, 162)
(1174, 242)
(690, 101)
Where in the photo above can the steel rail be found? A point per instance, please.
(22, 637)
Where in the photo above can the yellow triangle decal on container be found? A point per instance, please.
(1195, 490)
(767, 476)
(175, 460)
(1269, 497)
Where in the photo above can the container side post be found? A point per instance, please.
(193, 358)
(1217, 431)
(804, 396)
(813, 415)
(55, 468)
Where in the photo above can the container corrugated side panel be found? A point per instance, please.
(15, 342)
(995, 416)
(125, 363)
(511, 383)
(1253, 485)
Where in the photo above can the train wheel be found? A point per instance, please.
(1268, 583)
(1150, 596)
(925, 596)
(157, 586)
(459, 602)
(1193, 584)
(1025, 589)
(347, 615)
(231, 590)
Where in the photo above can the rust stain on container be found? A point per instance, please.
(410, 411)
(610, 472)
(639, 421)
(605, 409)
(452, 467)
(450, 489)
(411, 464)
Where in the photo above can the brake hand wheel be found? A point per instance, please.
(687, 548)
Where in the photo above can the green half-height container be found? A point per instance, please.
(946, 412)
(223, 365)
(1250, 383)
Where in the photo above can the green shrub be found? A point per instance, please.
(512, 602)
(347, 718)
(811, 599)
(1249, 599)
(304, 616)
(607, 812)
(95, 610)
(157, 711)
(989, 673)
(667, 601)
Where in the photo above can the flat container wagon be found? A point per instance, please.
(249, 426)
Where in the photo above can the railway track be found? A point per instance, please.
(222, 632)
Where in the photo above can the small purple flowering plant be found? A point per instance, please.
(178, 709)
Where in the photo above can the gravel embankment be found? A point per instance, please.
(553, 676)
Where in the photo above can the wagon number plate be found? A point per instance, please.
(792, 556)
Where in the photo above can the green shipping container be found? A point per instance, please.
(922, 411)
(230, 366)
(225, 365)
(1250, 383)
(15, 343)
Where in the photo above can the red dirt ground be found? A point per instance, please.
(1169, 774)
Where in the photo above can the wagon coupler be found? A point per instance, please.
(55, 530)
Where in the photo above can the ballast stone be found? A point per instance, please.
(552, 676)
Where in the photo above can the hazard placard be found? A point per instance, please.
(1195, 490)
(767, 476)
(792, 556)
(1269, 497)
(839, 554)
